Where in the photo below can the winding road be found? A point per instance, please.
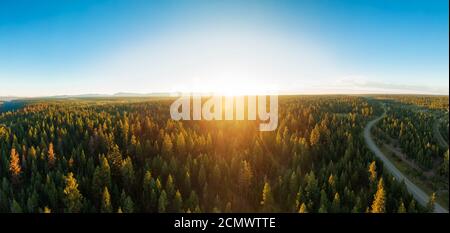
(418, 194)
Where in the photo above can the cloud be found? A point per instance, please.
(363, 84)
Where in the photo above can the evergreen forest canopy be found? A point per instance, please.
(127, 155)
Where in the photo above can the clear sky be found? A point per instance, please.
(79, 47)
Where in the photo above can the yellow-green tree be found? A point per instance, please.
(315, 136)
(72, 196)
(106, 202)
(431, 201)
(303, 209)
(401, 208)
(167, 146)
(372, 171)
(267, 198)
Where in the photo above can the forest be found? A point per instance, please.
(124, 155)
(416, 129)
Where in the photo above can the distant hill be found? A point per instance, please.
(128, 94)
(76, 96)
(119, 94)
(7, 98)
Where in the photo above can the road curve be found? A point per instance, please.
(418, 194)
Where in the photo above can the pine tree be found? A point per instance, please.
(102, 178)
(167, 146)
(412, 206)
(170, 187)
(162, 202)
(336, 205)
(115, 160)
(128, 176)
(147, 189)
(379, 201)
(401, 208)
(431, 202)
(267, 198)
(15, 207)
(181, 144)
(128, 205)
(72, 196)
(445, 164)
(323, 202)
(192, 201)
(245, 177)
(177, 202)
(106, 202)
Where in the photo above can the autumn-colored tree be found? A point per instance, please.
(51, 156)
(315, 136)
(379, 200)
(303, 209)
(14, 166)
(372, 171)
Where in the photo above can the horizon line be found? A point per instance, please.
(205, 94)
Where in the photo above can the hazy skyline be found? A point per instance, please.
(304, 47)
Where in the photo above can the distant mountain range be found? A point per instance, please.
(119, 94)
(7, 98)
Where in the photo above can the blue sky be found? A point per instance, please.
(75, 47)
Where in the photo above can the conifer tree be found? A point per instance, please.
(177, 202)
(401, 208)
(431, 202)
(162, 202)
(72, 196)
(267, 198)
(106, 202)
